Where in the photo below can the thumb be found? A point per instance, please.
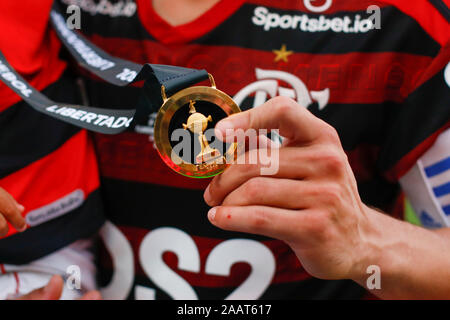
(292, 120)
(52, 291)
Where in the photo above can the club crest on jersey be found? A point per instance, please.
(267, 87)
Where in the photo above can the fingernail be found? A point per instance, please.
(212, 214)
(23, 228)
(20, 207)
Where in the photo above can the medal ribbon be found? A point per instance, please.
(113, 70)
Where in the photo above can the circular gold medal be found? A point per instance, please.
(184, 131)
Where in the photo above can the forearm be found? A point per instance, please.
(414, 262)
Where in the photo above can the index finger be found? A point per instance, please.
(293, 121)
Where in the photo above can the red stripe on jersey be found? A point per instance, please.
(28, 45)
(408, 161)
(73, 166)
(336, 6)
(290, 270)
(431, 20)
(132, 157)
(352, 78)
(2, 268)
(166, 33)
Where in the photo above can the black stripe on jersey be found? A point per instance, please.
(425, 111)
(55, 234)
(28, 135)
(355, 123)
(442, 8)
(398, 33)
(379, 193)
(151, 206)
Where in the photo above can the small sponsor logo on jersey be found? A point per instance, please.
(56, 209)
(317, 8)
(122, 8)
(268, 20)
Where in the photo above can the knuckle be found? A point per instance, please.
(280, 101)
(318, 223)
(333, 159)
(253, 188)
(332, 194)
(330, 134)
(261, 220)
(326, 195)
(283, 106)
(248, 168)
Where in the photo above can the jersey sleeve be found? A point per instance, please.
(417, 148)
(413, 127)
(47, 165)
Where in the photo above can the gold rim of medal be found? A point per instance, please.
(209, 162)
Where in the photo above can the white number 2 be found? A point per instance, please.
(219, 263)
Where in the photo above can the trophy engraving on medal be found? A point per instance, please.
(197, 123)
(195, 109)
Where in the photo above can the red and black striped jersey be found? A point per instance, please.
(48, 166)
(372, 69)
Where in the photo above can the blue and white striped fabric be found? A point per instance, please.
(427, 184)
(438, 177)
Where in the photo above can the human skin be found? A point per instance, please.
(312, 203)
(53, 291)
(10, 211)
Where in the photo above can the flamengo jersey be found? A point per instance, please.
(47, 165)
(382, 89)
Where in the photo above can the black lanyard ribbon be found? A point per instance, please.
(113, 70)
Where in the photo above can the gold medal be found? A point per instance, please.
(184, 129)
